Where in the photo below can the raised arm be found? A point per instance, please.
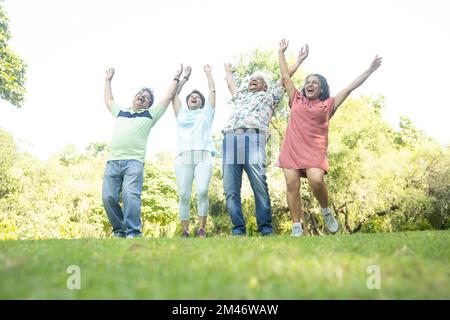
(230, 79)
(187, 74)
(285, 79)
(176, 103)
(343, 94)
(212, 88)
(109, 99)
(164, 102)
(303, 54)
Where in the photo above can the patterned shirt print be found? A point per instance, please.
(253, 110)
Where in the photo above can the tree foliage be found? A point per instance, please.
(381, 179)
(12, 67)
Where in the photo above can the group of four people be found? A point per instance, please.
(303, 152)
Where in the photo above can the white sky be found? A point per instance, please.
(68, 44)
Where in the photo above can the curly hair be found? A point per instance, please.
(325, 94)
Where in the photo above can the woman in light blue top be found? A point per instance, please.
(194, 149)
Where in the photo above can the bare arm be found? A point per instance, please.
(164, 102)
(212, 89)
(285, 79)
(187, 74)
(109, 99)
(230, 79)
(176, 103)
(286, 73)
(303, 54)
(343, 94)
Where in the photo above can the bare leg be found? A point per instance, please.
(318, 186)
(317, 182)
(292, 177)
(202, 221)
(185, 225)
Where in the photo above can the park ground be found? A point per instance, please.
(409, 265)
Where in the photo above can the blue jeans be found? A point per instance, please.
(246, 152)
(124, 176)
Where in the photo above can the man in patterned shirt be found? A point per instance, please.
(244, 146)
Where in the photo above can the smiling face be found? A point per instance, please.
(194, 101)
(256, 84)
(312, 87)
(141, 100)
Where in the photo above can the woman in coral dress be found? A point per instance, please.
(304, 149)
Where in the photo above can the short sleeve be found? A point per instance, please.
(238, 94)
(156, 112)
(210, 111)
(297, 95)
(277, 93)
(182, 110)
(115, 109)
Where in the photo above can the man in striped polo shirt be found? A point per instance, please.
(124, 170)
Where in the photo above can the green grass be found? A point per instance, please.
(413, 265)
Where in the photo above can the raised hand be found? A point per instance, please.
(179, 71)
(344, 93)
(303, 54)
(109, 74)
(376, 63)
(228, 67)
(283, 44)
(230, 78)
(187, 72)
(207, 68)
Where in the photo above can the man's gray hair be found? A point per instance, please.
(264, 76)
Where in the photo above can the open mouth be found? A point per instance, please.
(310, 90)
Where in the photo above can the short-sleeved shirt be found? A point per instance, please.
(131, 130)
(194, 129)
(253, 110)
(305, 143)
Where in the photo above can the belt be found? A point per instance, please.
(244, 130)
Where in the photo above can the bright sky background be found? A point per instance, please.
(68, 44)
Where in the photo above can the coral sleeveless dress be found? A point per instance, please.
(305, 143)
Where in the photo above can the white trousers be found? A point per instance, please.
(190, 165)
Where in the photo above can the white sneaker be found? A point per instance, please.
(330, 222)
(297, 230)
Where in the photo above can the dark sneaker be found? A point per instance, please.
(118, 235)
(201, 233)
(185, 234)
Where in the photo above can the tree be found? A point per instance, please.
(96, 149)
(12, 67)
(7, 157)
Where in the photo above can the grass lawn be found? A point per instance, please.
(412, 265)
